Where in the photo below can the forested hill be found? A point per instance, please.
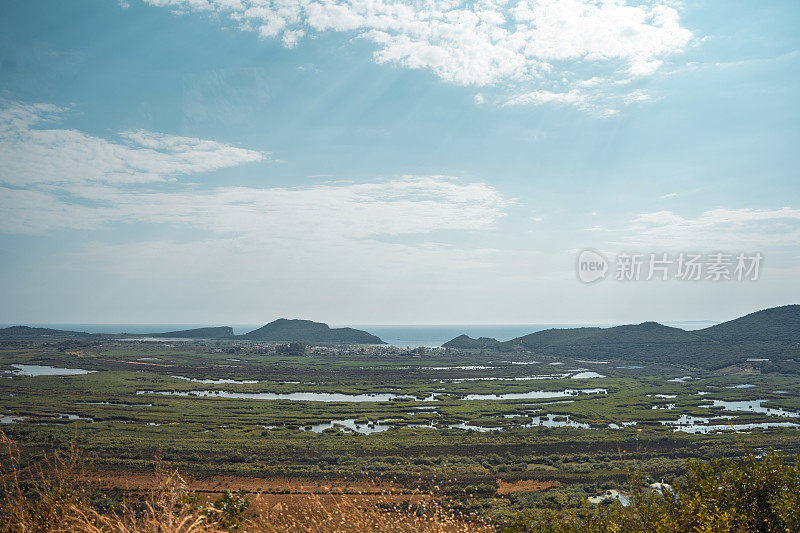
(771, 334)
(27, 331)
(286, 330)
(775, 324)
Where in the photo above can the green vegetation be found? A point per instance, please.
(518, 439)
(771, 334)
(285, 330)
(754, 494)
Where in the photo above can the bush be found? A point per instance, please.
(754, 494)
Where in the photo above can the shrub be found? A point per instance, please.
(753, 494)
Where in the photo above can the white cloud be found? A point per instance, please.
(336, 240)
(405, 205)
(716, 229)
(34, 212)
(292, 37)
(31, 154)
(53, 179)
(573, 97)
(531, 46)
(589, 96)
(348, 233)
(643, 67)
(637, 96)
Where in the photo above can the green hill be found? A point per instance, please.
(466, 342)
(776, 324)
(221, 332)
(286, 330)
(771, 333)
(27, 331)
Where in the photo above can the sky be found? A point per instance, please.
(394, 162)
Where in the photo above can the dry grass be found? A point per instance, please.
(342, 513)
(47, 496)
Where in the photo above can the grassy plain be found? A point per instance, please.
(485, 457)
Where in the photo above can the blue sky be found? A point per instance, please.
(210, 161)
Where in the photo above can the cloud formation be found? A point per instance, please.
(531, 47)
(353, 234)
(405, 205)
(716, 229)
(53, 179)
(31, 154)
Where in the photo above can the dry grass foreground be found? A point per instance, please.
(46, 497)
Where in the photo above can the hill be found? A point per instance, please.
(466, 342)
(293, 330)
(771, 334)
(221, 332)
(775, 324)
(27, 331)
(549, 337)
(644, 333)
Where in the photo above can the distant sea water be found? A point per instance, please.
(411, 336)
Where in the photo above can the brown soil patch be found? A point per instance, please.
(217, 484)
(742, 369)
(524, 485)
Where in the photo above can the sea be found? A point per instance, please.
(404, 336)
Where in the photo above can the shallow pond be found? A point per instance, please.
(368, 397)
(67, 416)
(699, 425)
(114, 404)
(587, 375)
(490, 378)
(533, 394)
(555, 421)
(623, 425)
(752, 406)
(611, 495)
(292, 396)
(713, 428)
(465, 367)
(350, 424)
(469, 427)
(666, 406)
(689, 420)
(44, 370)
(220, 381)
